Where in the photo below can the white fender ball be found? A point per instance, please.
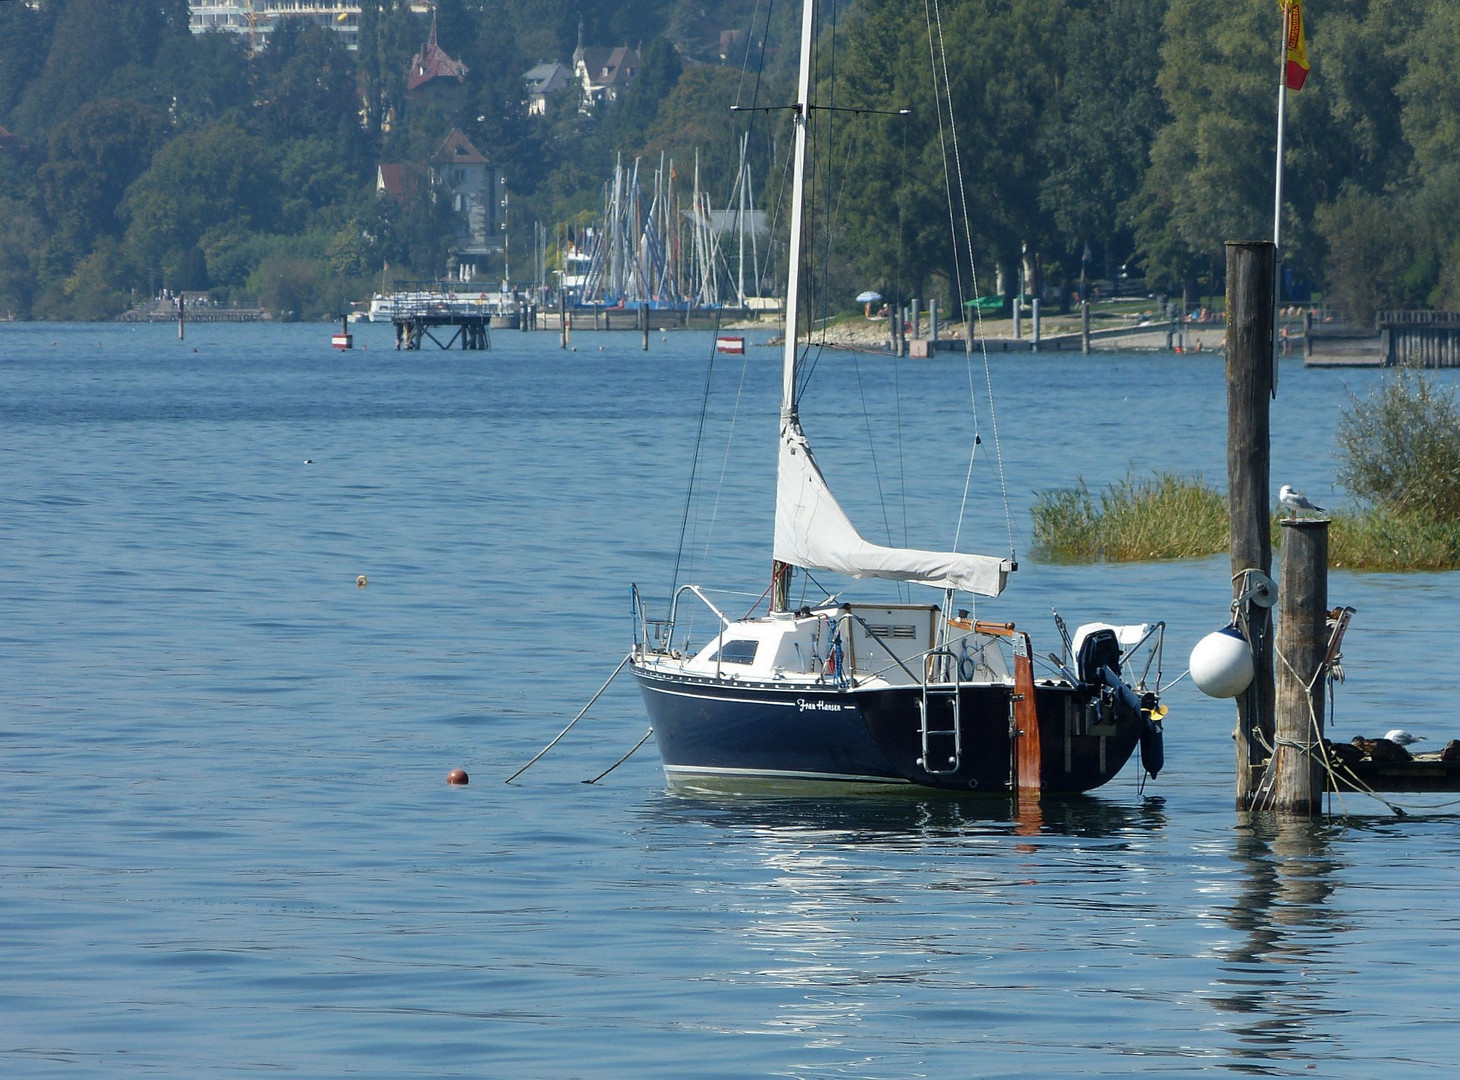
(1221, 663)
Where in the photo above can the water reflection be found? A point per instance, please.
(900, 820)
(951, 906)
(1277, 976)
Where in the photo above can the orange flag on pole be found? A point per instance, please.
(1295, 71)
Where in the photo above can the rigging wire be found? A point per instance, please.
(725, 461)
(699, 443)
(942, 57)
(694, 463)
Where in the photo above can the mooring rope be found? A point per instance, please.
(633, 750)
(571, 722)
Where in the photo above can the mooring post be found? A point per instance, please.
(1249, 451)
(932, 318)
(181, 305)
(1034, 320)
(1296, 781)
(915, 320)
(562, 319)
(1085, 327)
(968, 315)
(644, 323)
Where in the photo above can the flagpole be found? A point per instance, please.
(1277, 199)
(1277, 208)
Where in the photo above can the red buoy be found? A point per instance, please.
(458, 776)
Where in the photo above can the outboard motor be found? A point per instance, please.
(1101, 648)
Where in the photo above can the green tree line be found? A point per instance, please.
(1139, 132)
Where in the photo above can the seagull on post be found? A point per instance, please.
(1293, 501)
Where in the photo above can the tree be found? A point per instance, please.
(1096, 138)
(302, 83)
(1428, 89)
(92, 40)
(656, 80)
(1211, 173)
(21, 27)
(217, 175)
(94, 156)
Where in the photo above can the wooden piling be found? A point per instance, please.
(933, 319)
(562, 319)
(1249, 388)
(644, 323)
(1295, 780)
(1085, 327)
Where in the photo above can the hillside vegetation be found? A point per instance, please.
(141, 156)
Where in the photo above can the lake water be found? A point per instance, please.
(228, 844)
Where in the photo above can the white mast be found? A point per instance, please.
(740, 222)
(798, 191)
(812, 530)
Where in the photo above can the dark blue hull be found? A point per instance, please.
(717, 729)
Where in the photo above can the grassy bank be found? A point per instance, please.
(1398, 450)
(1140, 518)
(1171, 517)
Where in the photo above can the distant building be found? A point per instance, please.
(602, 74)
(544, 82)
(434, 76)
(400, 182)
(460, 172)
(258, 19)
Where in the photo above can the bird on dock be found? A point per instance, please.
(1381, 750)
(1402, 737)
(1293, 501)
(1345, 753)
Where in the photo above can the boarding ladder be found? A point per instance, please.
(939, 726)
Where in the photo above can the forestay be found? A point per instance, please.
(814, 532)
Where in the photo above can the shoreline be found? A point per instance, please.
(1061, 335)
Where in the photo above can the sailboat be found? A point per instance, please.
(882, 693)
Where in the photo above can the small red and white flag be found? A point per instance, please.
(1295, 70)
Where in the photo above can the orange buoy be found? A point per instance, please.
(458, 777)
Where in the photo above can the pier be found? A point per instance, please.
(471, 330)
(1421, 339)
(197, 307)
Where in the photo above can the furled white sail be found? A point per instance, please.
(813, 531)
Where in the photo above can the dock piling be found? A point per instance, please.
(1249, 456)
(1295, 781)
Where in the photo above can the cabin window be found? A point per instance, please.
(736, 652)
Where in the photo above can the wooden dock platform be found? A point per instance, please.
(414, 327)
(1425, 773)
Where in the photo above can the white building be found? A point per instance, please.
(259, 18)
